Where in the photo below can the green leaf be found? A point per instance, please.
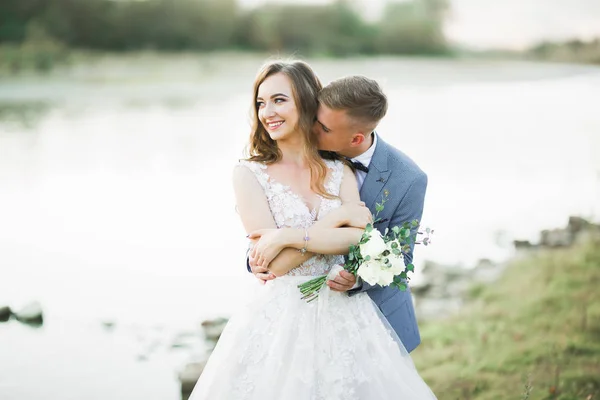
(368, 258)
(410, 267)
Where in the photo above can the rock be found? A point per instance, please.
(442, 284)
(428, 309)
(556, 238)
(422, 289)
(189, 376)
(108, 325)
(5, 313)
(31, 314)
(184, 340)
(487, 271)
(578, 224)
(522, 244)
(213, 328)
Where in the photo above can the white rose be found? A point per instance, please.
(374, 246)
(386, 277)
(369, 272)
(397, 263)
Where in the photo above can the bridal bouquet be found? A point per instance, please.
(376, 258)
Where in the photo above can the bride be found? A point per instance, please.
(278, 346)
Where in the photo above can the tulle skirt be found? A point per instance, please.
(279, 347)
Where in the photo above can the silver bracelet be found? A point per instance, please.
(306, 239)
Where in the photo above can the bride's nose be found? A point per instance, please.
(269, 110)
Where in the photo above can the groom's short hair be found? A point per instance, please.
(361, 98)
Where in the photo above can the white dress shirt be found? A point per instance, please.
(364, 159)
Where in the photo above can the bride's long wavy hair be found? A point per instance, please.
(305, 89)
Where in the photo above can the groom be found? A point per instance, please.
(350, 109)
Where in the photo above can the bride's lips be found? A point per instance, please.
(274, 125)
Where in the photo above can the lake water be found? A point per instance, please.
(116, 201)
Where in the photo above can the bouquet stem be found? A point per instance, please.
(311, 288)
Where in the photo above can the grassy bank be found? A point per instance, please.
(572, 51)
(535, 334)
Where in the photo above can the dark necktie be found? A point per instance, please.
(359, 166)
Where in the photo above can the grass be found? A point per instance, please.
(534, 334)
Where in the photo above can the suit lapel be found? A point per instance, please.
(372, 188)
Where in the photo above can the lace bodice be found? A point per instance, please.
(289, 210)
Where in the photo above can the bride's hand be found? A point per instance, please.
(268, 245)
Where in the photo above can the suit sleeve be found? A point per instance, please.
(409, 209)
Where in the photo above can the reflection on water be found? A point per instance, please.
(119, 207)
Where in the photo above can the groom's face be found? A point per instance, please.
(334, 130)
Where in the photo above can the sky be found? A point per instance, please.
(512, 24)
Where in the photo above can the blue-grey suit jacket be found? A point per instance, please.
(394, 171)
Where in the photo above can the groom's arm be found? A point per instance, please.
(409, 208)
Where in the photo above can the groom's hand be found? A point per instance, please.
(343, 282)
(261, 273)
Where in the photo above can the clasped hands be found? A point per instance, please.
(268, 243)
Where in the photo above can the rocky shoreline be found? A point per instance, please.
(445, 287)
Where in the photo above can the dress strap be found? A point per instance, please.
(334, 182)
(259, 169)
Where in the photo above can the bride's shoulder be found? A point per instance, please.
(335, 175)
(245, 169)
(254, 166)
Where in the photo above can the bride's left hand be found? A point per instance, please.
(268, 246)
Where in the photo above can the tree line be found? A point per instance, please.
(334, 29)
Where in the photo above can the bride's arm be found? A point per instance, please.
(252, 204)
(290, 258)
(324, 239)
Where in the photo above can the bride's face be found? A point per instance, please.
(277, 109)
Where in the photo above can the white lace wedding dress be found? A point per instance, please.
(278, 347)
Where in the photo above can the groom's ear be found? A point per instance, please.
(358, 139)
